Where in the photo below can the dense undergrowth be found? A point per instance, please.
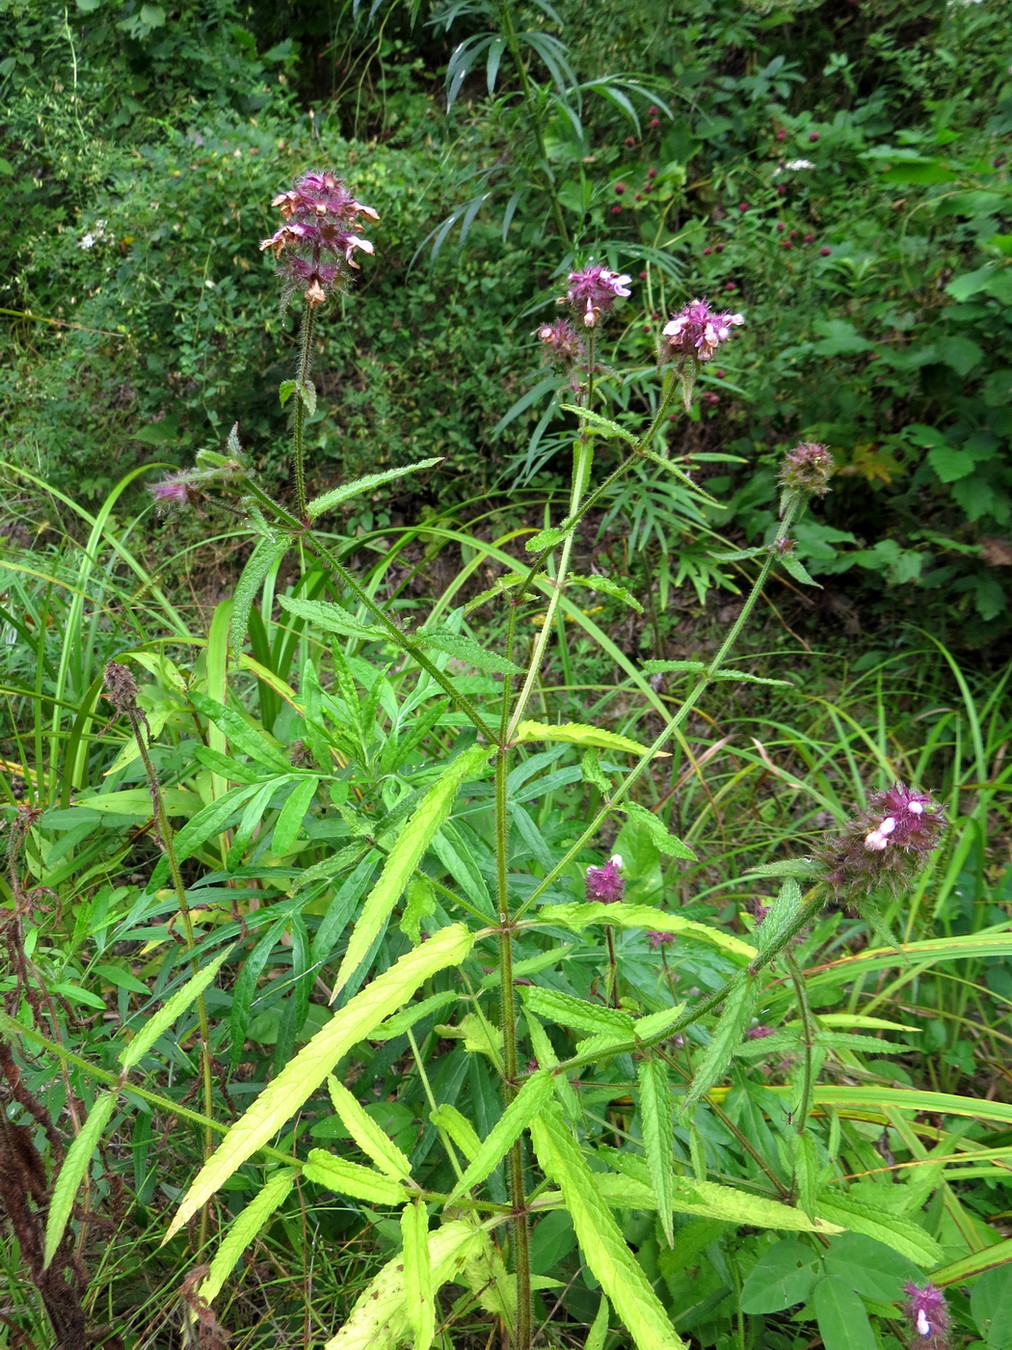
(462, 880)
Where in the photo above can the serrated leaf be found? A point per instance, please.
(701, 668)
(306, 391)
(265, 556)
(781, 917)
(371, 1139)
(399, 1024)
(664, 841)
(576, 917)
(71, 1174)
(285, 390)
(458, 1127)
(379, 1319)
(349, 1178)
(592, 771)
(528, 1102)
(301, 1076)
(243, 735)
(243, 1229)
(464, 648)
(654, 1026)
(176, 1004)
(794, 567)
(575, 733)
(549, 538)
(656, 1127)
(605, 586)
(208, 823)
(806, 1170)
(291, 816)
(565, 1010)
(618, 1272)
(404, 857)
(603, 425)
(331, 618)
(419, 1301)
(902, 1235)
(371, 480)
(727, 1035)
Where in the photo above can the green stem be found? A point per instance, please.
(624, 788)
(303, 368)
(807, 1041)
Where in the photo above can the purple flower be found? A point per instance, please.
(928, 1315)
(885, 844)
(698, 331)
(317, 243)
(605, 884)
(659, 939)
(807, 468)
(759, 1032)
(177, 490)
(593, 292)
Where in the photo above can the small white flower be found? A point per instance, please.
(795, 164)
(86, 241)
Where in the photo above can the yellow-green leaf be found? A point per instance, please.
(366, 1133)
(575, 733)
(349, 1178)
(244, 1228)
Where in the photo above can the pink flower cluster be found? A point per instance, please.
(929, 1317)
(886, 844)
(807, 468)
(318, 240)
(698, 331)
(593, 292)
(606, 884)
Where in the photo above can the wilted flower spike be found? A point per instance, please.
(318, 240)
(929, 1317)
(605, 884)
(885, 845)
(564, 345)
(807, 468)
(698, 331)
(593, 292)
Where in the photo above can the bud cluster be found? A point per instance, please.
(807, 468)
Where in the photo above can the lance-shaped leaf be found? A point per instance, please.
(619, 1273)
(302, 1075)
(379, 1319)
(528, 1103)
(331, 618)
(464, 648)
(419, 1296)
(576, 1012)
(244, 1229)
(169, 1011)
(575, 733)
(371, 480)
(727, 1035)
(665, 841)
(405, 856)
(621, 915)
(372, 1140)
(75, 1165)
(349, 1178)
(657, 1129)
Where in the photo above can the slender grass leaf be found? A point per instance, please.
(528, 1102)
(244, 1228)
(379, 1319)
(349, 1178)
(656, 1126)
(371, 480)
(303, 1075)
(727, 1036)
(226, 766)
(365, 1131)
(177, 1003)
(75, 1164)
(419, 1296)
(405, 856)
(619, 1273)
(579, 916)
